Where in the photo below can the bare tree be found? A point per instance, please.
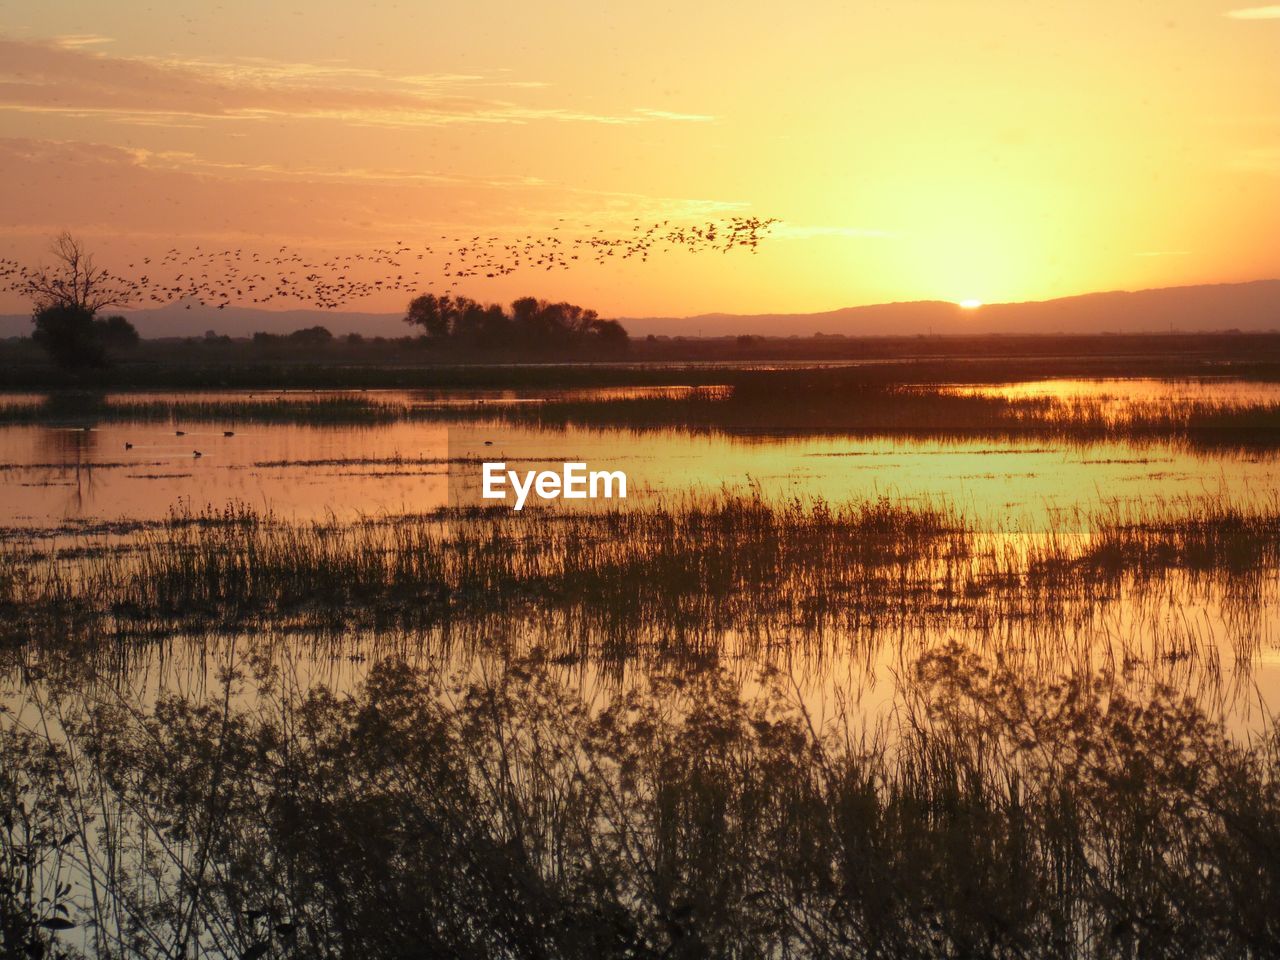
(74, 280)
(67, 297)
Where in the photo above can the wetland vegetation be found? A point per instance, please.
(687, 571)
(753, 721)
(504, 815)
(220, 362)
(847, 401)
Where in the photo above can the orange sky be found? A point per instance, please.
(955, 150)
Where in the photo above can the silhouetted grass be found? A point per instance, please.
(827, 402)
(505, 816)
(679, 573)
(82, 408)
(697, 562)
(409, 363)
(845, 401)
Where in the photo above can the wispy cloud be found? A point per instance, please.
(65, 77)
(182, 161)
(1255, 13)
(46, 185)
(670, 115)
(75, 41)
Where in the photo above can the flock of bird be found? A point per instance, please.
(219, 277)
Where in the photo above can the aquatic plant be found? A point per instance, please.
(679, 575)
(502, 814)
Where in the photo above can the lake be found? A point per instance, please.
(169, 559)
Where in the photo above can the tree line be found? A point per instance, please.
(531, 326)
(70, 295)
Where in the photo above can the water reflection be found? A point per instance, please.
(67, 459)
(504, 813)
(1224, 390)
(139, 471)
(739, 736)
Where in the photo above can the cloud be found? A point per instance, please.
(62, 77)
(130, 192)
(75, 41)
(669, 115)
(1255, 13)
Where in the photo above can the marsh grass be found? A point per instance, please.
(81, 408)
(502, 815)
(695, 560)
(805, 402)
(1023, 798)
(812, 404)
(679, 574)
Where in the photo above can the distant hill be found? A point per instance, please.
(1250, 306)
(1244, 306)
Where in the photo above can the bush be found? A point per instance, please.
(70, 335)
(116, 333)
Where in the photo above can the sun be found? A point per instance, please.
(970, 304)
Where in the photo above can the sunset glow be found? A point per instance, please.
(608, 480)
(1027, 150)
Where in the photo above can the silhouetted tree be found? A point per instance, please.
(433, 314)
(74, 280)
(532, 325)
(304, 336)
(70, 336)
(311, 335)
(67, 296)
(610, 336)
(117, 333)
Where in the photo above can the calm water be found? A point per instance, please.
(68, 484)
(81, 473)
(63, 479)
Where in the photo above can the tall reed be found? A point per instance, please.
(503, 815)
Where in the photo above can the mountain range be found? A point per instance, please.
(1209, 307)
(1251, 306)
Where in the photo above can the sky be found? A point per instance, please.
(915, 149)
